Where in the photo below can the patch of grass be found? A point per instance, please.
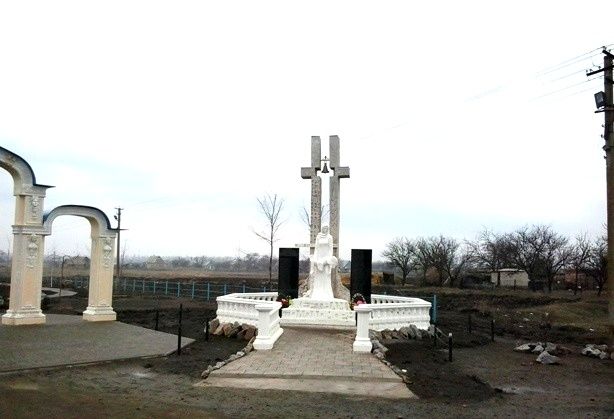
(584, 314)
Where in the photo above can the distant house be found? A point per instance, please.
(155, 262)
(78, 261)
(510, 277)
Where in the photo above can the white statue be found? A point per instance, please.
(322, 264)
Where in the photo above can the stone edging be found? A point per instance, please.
(240, 354)
(405, 333)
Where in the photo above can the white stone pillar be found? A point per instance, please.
(27, 263)
(99, 306)
(362, 343)
(26, 278)
(268, 325)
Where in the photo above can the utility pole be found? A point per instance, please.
(118, 217)
(608, 136)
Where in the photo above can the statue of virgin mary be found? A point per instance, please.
(322, 264)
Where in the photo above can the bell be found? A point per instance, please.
(325, 169)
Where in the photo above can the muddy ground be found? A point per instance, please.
(485, 379)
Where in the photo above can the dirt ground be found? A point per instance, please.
(485, 379)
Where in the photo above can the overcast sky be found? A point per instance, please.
(453, 116)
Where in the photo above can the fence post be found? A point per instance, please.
(264, 289)
(178, 288)
(193, 289)
(154, 290)
(125, 285)
(450, 347)
(208, 291)
(179, 331)
(434, 308)
(133, 285)
(166, 288)
(225, 289)
(143, 287)
(243, 288)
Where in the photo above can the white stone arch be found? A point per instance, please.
(99, 307)
(27, 263)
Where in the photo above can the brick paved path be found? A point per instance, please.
(302, 358)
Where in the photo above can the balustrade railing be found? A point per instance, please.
(241, 308)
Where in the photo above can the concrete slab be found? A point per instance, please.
(314, 360)
(389, 390)
(69, 340)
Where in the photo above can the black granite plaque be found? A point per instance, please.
(288, 272)
(360, 277)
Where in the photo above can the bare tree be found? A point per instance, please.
(423, 255)
(305, 215)
(271, 207)
(541, 252)
(597, 263)
(448, 258)
(491, 251)
(581, 252)
(400, 253)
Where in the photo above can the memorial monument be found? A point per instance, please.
(312, 173)
(323, 300)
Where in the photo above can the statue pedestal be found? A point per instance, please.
(318, 313)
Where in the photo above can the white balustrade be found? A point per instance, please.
(268, 325)
(241, 307)
(393, 312)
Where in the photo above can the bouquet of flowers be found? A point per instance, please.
(285, 301)
(357, 299)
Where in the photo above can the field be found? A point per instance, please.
(485, 379)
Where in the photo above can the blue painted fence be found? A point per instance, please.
(195, 290)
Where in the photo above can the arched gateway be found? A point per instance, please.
(29, 231)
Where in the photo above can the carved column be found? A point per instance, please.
(99, 306)
(316, 190)
(334, 201)
(27, 263)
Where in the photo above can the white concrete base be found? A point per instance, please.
(99, 314)
(265, 344)
(23, 316)
(362, 345)
(308, 312)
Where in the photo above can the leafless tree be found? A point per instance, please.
(597, 263)
(541, 252)
(305, 215)
(581, 252)
(400, 253)
(270, 207)
(423, 256)
(448, 258)
(491, 251)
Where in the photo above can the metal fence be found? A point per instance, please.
(205, 291)
(195, 290)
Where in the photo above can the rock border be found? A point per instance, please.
(404, 333)
(231, 330)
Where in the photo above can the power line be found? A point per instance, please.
(571, 61)
(565, 88)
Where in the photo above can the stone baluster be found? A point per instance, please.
(268, 325)
(362, 343)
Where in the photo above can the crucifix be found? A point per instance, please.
(311, 173)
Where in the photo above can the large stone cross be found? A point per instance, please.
(335, 189)
(311, 173)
